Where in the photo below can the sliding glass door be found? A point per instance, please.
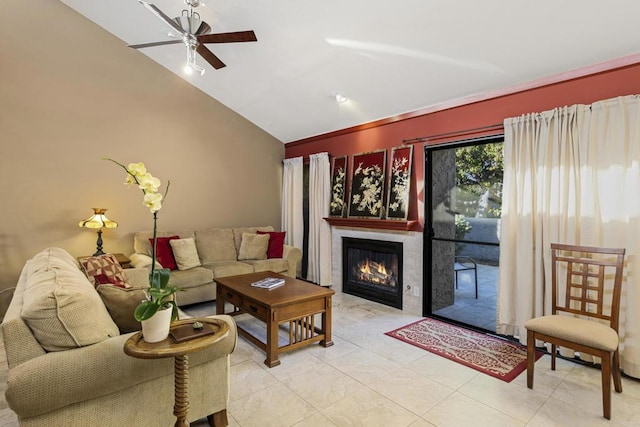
(463, 184)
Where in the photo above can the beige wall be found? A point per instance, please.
(71, 93)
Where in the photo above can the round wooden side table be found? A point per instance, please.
(135, 346)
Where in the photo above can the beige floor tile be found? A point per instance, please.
(364, 366)
(410, 390)
(516, 401)
(249, 377)
(459, 410)
(274, 406)
(442, 370)
(368, 409)
(316, 420)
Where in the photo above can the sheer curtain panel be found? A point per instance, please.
(319, 256)
(570, 176)
(292, 220)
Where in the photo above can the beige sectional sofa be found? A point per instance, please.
(218, 252)
(66, 361)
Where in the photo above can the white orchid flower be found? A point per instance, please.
(148, 183)
(137, 169)
(153, 201)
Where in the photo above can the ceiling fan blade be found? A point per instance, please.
(238, 36)
(170, 22)
(142, 45)
(210, 57)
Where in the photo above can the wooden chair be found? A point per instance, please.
(590, 276)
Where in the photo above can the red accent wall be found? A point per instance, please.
(391, 132)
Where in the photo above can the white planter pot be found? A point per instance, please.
(156, 328)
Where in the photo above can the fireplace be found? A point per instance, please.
(372, 269)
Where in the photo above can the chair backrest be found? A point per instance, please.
(591, 278)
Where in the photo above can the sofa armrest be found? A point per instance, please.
(58, 379)
(293, 256)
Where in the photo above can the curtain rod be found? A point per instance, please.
(458, 132)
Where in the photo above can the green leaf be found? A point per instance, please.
(160, 278)
(145, 310)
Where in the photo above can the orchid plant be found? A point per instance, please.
(160, 291)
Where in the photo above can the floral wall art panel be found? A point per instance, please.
(367, 184)
(338, 186)
(399, 178)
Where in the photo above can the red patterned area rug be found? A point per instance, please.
(490, 355)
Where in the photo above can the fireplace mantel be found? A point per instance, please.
(381, 224)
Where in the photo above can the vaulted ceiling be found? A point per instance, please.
(387, 57)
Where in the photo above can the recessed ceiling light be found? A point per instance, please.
(340, 98)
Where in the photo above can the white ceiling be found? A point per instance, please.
(387, 57)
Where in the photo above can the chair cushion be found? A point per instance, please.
(586, 332)
(61, 306)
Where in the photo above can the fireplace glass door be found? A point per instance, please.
(372, 269)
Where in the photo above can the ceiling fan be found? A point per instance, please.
(195, 33)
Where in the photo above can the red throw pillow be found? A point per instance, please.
(276, 242)
(164, 253)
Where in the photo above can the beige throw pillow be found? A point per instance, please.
(253, 246)
(121, 304)
(185, 252)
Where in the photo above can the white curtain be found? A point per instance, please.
(570, 176)
(319, 257)
(292, 221)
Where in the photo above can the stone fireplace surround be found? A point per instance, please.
(412, 260)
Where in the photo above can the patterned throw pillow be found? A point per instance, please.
(104, 270)
(276, 243)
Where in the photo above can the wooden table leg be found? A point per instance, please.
(219, 300)
(326, 324)
(181, 407)
(272, 339)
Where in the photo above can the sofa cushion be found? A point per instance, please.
(228, 268)
(237, 234)
(141, 243)
(215, 245)
(253, 246)
(61, 306)
(164, 251)
(277, 265)
(184, 250)
(276, 243)
(104, 270)
(121, 304)
(192, 277)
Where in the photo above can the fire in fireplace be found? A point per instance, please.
(372, 269)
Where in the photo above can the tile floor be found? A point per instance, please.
(369, 379)
(480, 312)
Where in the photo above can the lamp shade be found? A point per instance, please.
(98, 220)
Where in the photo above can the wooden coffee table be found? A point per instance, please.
(296, 303)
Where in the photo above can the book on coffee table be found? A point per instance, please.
(268, 283)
